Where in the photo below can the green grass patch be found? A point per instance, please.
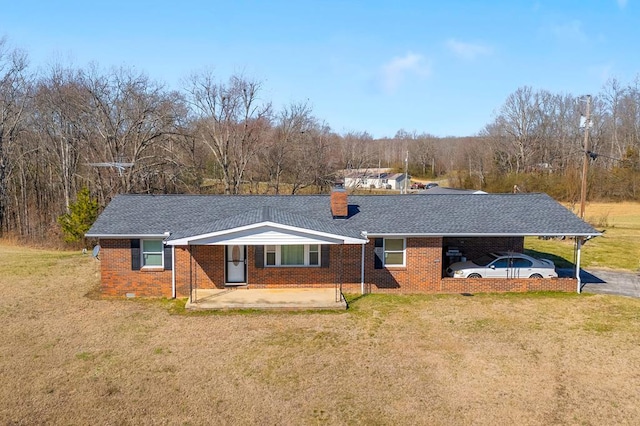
(174, 306)
(533, 295)
(85, 356)
(541, 249)
(617, 248)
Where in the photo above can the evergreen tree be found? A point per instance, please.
(81, 216)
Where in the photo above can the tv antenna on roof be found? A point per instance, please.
(114, 164)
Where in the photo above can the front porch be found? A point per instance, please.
(284, 299)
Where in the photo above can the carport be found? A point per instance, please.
(458, 247)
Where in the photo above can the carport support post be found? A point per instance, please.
(362, 271)
(173, 272)
(578, 247)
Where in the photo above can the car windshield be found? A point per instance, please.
(485, 260)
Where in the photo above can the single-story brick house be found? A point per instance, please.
(168, 245)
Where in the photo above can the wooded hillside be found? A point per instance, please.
(117, 131)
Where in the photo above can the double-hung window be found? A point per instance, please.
(152, 253)
(292, 255)
(394, 252)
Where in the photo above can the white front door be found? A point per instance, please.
(236, 260)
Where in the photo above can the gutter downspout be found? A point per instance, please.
(173, 272)
(578, 247)
(364, 234)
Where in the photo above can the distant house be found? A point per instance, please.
(169, 245)
(374, 178)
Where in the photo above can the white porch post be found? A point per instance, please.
(579, 246)
(362, 271)
(173, 272)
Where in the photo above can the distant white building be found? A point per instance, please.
(450, 191)
(374, 178)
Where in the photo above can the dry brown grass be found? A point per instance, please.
(66, 358)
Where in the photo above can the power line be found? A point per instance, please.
(585, 164)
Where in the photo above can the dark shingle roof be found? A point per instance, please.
(486, 214)
(452, 191)
(268, 214)
(446, 214)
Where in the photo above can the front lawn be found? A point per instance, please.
(68, 357)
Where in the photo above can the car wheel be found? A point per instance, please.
(535, 276)
(474, 275)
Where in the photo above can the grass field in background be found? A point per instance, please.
(617, 248)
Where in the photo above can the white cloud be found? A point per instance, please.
(468, 51)
(570, 31)
(396, 71)
(622, 3)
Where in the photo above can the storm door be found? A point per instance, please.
(236, 261)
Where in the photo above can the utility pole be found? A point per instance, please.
(406, 172)
(585, 164)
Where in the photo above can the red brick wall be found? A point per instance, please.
(206, 269)
(421, 274)
(203, 267)
(501, 285)
(295, 277)
(117, 278)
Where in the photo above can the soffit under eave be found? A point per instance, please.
(266, 236)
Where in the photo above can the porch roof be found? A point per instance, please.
(267, 225)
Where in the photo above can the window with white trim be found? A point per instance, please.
(152, 253)
(314, 255)
(292, 255)
(394, 251)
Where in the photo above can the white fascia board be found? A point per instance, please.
(546, 234)
(264, 236)
(125, 236)
(242, 234)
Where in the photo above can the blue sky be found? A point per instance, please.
(439, 67)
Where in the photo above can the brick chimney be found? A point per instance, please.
(339, 203)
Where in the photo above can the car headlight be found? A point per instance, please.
(458, 274)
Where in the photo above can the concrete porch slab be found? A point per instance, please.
(285, 299)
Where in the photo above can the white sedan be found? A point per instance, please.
(504, 265)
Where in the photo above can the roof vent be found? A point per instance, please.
(266, 213)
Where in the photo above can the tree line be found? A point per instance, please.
(99, 132)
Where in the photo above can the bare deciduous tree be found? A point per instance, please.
(128, 117)
(14, 88)
(231, 118)
(58, 99)
(291, 131)
(312, 163)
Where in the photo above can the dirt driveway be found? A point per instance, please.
(608, 281)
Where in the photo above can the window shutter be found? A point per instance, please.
(135, 255)
(324, 256)
(379, 253)
(168, 264)
(258, 252)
